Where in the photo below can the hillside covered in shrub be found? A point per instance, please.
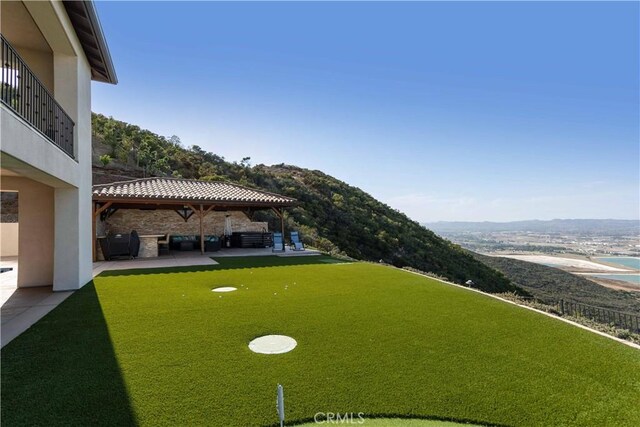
(332, 216)
(551, 284)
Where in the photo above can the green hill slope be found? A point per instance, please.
(332, 216)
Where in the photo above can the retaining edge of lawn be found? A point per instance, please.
(620, 340)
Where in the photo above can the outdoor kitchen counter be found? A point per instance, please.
(149, 245)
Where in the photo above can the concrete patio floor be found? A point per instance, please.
(23, 307)
(175, 259)
(191, 258)
(9, 278)
(261, 252)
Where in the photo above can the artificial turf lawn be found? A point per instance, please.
(152, 347)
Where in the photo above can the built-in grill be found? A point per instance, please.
(251, 239)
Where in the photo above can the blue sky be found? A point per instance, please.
(445, 111)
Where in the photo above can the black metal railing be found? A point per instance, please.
(22, 92)
(597, 314)
(600, 315)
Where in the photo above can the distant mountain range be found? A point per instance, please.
(612, 227)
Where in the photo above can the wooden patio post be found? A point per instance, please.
(201, 214)
(95, 212)
(201, 231)
(94, 238)
(282, 229)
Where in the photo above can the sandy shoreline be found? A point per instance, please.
(581, 264)
(618, 285)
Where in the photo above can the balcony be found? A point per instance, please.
(23, 93)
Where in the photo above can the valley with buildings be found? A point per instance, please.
(577, 237)
(607, 251)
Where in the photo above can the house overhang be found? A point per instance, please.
(84, 17)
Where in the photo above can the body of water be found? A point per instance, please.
(629, 262)
(631, 278)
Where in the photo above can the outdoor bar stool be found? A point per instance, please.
(163, 244)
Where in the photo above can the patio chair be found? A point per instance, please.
(163, 244)
(296, 243)
(278, 243)
(211, 243)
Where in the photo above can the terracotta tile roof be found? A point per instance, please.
(187, 190)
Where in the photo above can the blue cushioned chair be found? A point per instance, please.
(296, 243)
(278, 243)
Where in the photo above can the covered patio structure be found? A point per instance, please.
(161, 205)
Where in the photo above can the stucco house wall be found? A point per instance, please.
(9, 224)
(36, 231)
(64, 69)
(8, 239)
